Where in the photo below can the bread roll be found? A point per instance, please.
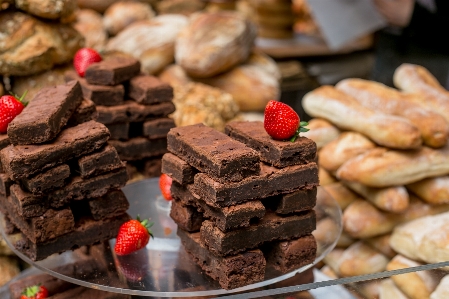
(378, 97)
(321, 131)
(214, 43)
(47, 9)
(122, 13)
(340, 193)
(326, 231)
(346, 113)
(361, 259)
(90, 24)
(184, 7)
(332, 260)
(432, 190)
(345, 240)
(325, 177)
(388, 290)
(174, 75)
(434, 244)
(442, 290)
(382, 244)
(382, 167)
(347, 145)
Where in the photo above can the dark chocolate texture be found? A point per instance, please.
(5, 184)
(185, 216)
(43, 118)
(26, 204)
(131, 111)
(48, 180)
(4, 141)
(147, 90)
(158, 128)
(104, 160)
(152, 167)
(85, 112)
(112, 204)
(139, 148)
(112, 71)
(179, 170)
(298, 201)
(119, 131)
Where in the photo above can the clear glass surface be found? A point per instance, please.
(163, 268)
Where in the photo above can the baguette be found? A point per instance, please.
(388, 290)
(321, 131)
(432, 190)
(382, 167)
(378, 97)
(325, 177)
(442, 290)
(382, 244)
(346, 113)
(342, 195)
(344, 241)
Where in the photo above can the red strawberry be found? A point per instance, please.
(35, 292)
(83, 58)
(282, 122)
(165, 185)
(132, 236)
(10, 107)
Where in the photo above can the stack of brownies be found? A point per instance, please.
(244, 202)
(134, 107)
(61, 181)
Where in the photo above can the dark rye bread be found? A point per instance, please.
(99, 94)
(131, 111)
(26, 204)
(179, 170)
(298, 201)
(86, 111)
(119, 131)
(231, 271)
(104, 160)
(87, 232)
(271, 227)
(139, 148)
(157, 128)
(186, 217)
(271, 181)
(43, 118)
(275, 152)
(25, 160)
(50, 179)
(112, 71)
(213, 152)
(5, 184)
(148, 90)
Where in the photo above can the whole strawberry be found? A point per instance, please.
(10, 107)
(165, 185)
(35, 292)
(132, 236)
(282, 122)
(83, 58)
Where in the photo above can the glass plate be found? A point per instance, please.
(163, 268)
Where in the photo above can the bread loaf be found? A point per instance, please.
(326, 231)
(382, 167)
(346, 113)
(122, 13)
(47, 9)
(378, 97)
(442, 290)
(432, 190)
(214, 43)
(174, 75)
(340, 193)
(321, 131)
(325, 177)
(90, 24)
(184, 7)
(389, 290)
(382, 244)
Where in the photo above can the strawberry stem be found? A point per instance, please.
(301, 128)
(21, 98)
(146, 224)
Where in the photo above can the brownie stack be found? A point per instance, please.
(61, 183)
(244, 202)
(134, 107)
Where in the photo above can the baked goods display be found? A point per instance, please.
(274, 18)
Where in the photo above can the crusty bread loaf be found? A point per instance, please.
(345, 240)
(122, 13)
(321, 131)
(382, 244)
(382, 167)
(389, 290)
(47, 9)
(346, 146)
(326, 231)
(90, 24)
(346, 113)
(342, 195)
(325, 177)
(332, 259)
(184, 7)
(378, 97)
(442, 290)
(174, 75)
(433, 190)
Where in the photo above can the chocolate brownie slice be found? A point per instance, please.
(104, 160)
(112, 71)
(4, 141)
(139, 148)
(271, 181)
(112, 204)
(24, 160)
(131, 111)
(43, 118)
(152, 167)
(231, 271)
(87, 232)
(48, 180)
(85, 112)
(179, 170)
(286, 256)
(185, 216)
(272, 227)
(119, 131)
(5, 184)
(26, 204)
(301, 200)
(275, 152)
(213, 152)
(99, 94)
(148, 90)
(157, 128)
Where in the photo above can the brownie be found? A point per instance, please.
(26, 204)
(131, 111)
(112, 204)
(139, 148)
(158, 128)
(44, 116)
(148, 90)
(10, 228)
(186, 217)
(286, 256)
(275, 152)
(112, 71)
(271, 181)
(104, 160)
(5, 184)
(298, 201)
(213, 152)
(99, 94)
(97, 186)
(24, 160)
(271, 227)
(119, 131)
(231, 271)
(4, 141)
(48, 180)
(179, 170)
(86, 111)
(152, 167)
(87, 232)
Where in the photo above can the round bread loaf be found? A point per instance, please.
(90, 24)
(121, 14)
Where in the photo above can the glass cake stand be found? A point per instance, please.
(163, 268)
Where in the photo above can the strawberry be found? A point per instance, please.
(35, 292)
(83, 58)
(165, 185)
(10, 107)
(282, 122)
(132, 236)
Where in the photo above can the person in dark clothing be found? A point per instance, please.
(416, 35)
